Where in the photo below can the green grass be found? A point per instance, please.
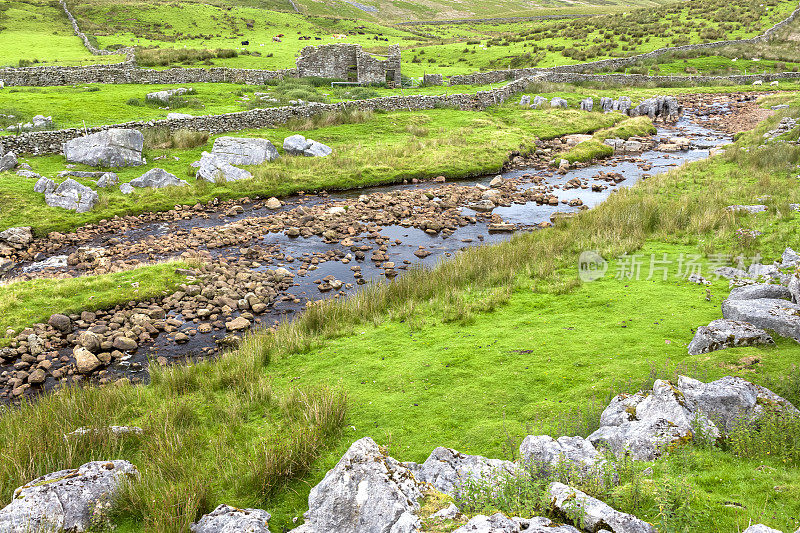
(594, 147)
(38, 31)
(23, 303)
(384, 148)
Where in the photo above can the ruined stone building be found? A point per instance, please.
(349, 62)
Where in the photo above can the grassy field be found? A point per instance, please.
(411, 357)
(24, 303)
(38, 32)
(369, 149)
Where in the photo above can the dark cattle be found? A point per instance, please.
(318, 38)
(245, 43)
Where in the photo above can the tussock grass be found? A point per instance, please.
(164, 139)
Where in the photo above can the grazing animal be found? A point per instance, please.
(774, 83)
(758, 82)
(245, 43)
(2, 84)
(276, 39)
(318, 38)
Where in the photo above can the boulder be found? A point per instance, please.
(447, 469)
(41, 122)
(593, 514)
(244, 151)
(73, 196)
(366, 492)
(215, 169)
(126, 188)
(115, 147)
(761, 528)
(606, 104)
(295, 144)
(525, 101)
(85, 361)
(760, 290)
(157, 178)
(723, 333)
(730, 273)
(545, 453)
(790, 258)
(643, 425)
(108, 180)
(178, 116)
(587, 104)
(623, 105)
(8, 162)
(730, 399)
(17, 235)
(64, 500)
(752, 209)
(448, 513)
(273, 203)
(316, 149)
(164, 96)
(25, 173)
(538, 102)
(541, 524)
(227, 519)
(781, 316)
(60, 322)
(559, 102)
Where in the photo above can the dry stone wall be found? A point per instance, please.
(129, 53)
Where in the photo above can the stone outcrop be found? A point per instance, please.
(227, 519)
(8, 161)
(244, 151)
(64, 500)
(366, 492)
(163, 97)
(781, 316)
(545, 453)
(723, 333)
(594, 515)
(110, 148)
(446, 469)
(760, 290)
(73, 196)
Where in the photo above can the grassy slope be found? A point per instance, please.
(386, 148)
(25, 303)
(38, 30)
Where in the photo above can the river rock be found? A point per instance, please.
(760, 290)
(644, 424)
(17, 235)
(157, 178)
(596, 515)
(274, 203)
(227, 519)
(446, 469)
(546, 453)
(215, 169)
(781, 316)
(559, 102)
(8, 161)
(125, 344)
(60, 322)
(64, 500)
(85, 361)
(366, 492)
(244, 151)
(73, 196)
(115, 147)
(723, 333)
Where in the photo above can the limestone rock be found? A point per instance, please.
(559, 102)
(126, 188)
(8, 162)
(17, 235)
(178, 116)
(73, 196)
(760, 290)
(606, 104)
(645, 424)
(157, 178)
(244, 151)
(215, 169)
(107, 180)
(587, 104)
(761, 528)
(596, 515)
(723, 333)
(497, 523)
(115, 147)
(446, 469)
(299, 145)
(790, 258)
(164, 96)
(545, 452)
(227, 519)
(274, 203)
(525, 101)
(538, 102)
(366, 492)
(781, 316)
(64, 500)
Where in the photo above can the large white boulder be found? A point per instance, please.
(115, 147)
(299, 145)
(216, 169)
(244, 150)
(72, 195)
(64, 500)
(227, 519)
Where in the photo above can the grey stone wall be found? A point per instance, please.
(350, 62)
(128, 53)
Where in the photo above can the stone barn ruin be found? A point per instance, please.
(349, 62)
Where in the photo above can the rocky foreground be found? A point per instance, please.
(369, 491)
